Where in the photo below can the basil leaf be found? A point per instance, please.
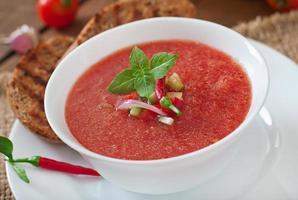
(123, 83)
(144, 84)
(161, 63)
(138, 60)
(6, 147)
(20, 172)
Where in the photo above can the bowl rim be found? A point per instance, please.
(83, 150)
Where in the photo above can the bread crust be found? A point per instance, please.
(125, 11)
(25, 90)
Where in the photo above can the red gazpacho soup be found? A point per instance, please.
(216, 99)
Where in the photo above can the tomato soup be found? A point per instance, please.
(217, 98)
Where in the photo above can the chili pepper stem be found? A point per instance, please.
(34, 160)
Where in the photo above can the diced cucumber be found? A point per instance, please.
(135, 111)
(174, 82)
(178, 95)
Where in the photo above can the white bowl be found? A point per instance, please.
(164, 175)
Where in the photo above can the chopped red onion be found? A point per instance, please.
(127, 104)
(166, 120)
(22, 39)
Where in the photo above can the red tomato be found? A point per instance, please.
(133, 95)
(178, 103)
(283, 5)
(147, 115)
(57, 13)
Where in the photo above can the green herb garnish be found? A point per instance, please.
(167, 103)
(141, 74)
(6, 148)
(161, 63)
(20, 172)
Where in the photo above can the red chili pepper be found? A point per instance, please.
(147, 115)
(166, 110)
(50, 164)
(55, 165)
(131, 96)
(160, 89)
(177, 102)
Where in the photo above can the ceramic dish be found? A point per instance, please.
(274, 179)
(164, 175)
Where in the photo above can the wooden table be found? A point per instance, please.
(14, 13)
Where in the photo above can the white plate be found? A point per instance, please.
(276, 177)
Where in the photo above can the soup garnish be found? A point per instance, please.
(207, 85)
(146, 79)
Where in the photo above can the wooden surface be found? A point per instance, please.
(18, 12)
(231, 12)
(13, 16)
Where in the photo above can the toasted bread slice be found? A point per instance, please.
(26, 88)
(124, 11)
